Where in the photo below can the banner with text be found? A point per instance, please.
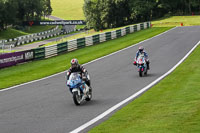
(56, 22)
(11, 59)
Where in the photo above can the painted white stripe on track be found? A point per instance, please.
(133, 96)
(6, 89)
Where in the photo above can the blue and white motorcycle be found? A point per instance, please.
(79, 89)
(142, 66)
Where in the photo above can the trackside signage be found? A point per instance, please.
(11, 59)
(57, 22)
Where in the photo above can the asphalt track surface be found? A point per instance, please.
(46, 106)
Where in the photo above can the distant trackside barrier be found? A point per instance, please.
(11, 59)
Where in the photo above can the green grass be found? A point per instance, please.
(37, 69)
(177, 20)
(13, 33)
(7, 51)
(68, 9)
(36, 29)
(80, 26)
(172, 106)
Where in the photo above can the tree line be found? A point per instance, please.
(14, 12)
(102, 14)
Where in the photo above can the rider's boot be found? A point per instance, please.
(148, 66)
(84, 92)
(89, 85)
(90, 89)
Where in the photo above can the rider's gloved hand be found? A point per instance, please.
(84, 78)
(134, 63)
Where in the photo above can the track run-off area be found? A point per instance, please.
(46, 105)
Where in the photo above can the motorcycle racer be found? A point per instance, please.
(139, 52)
(76, 67)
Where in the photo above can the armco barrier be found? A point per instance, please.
(72, 45)
(142, 26)
(62, 47)
(102, 37)
(131, 29)
(53, 50)
(95, 39)
(135, 28)
(92, 40)
(123, 30)
(108, 36)
(148, 25)
(39, 53)
(138, 27)
(145, 26)
(113, 35)
(127, 30)
(29, 38)
(118, 32)
(81, 42)
(89, 41)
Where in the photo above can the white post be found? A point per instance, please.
(10, 47)
(3, 47)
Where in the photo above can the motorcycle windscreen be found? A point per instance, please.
(74, 79)
(140, 59)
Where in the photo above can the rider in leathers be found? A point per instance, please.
(141, 51)
(75, 67)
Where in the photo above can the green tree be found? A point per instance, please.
(92, 13)
(142, 10)
(47, 8)
(2, 17)
(101, 14)
(14, 12)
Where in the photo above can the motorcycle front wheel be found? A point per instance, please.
(77, 99)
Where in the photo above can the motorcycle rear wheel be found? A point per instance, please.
(89, 96)
(140, 72)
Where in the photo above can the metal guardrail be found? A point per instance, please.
(53, 50)
(36, 37)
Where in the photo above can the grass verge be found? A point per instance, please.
(172, 106)
(38, 69)
(13, 33)
(177, 20)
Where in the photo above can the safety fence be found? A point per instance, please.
(32, 37)
(11, 59)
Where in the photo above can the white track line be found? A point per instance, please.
(6, 89)
(133, 96)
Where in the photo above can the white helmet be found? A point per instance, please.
(141, 49)
(74, 63)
